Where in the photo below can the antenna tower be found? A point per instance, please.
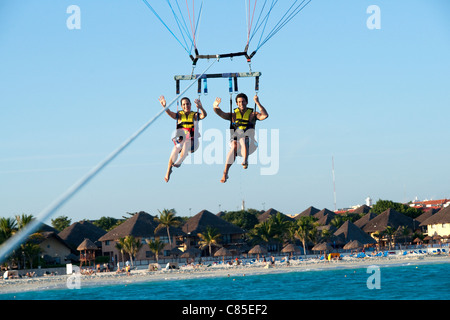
(334, 182)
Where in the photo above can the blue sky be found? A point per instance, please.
(375, 100)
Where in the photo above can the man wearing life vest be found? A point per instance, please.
(242, 135)
(186, 140)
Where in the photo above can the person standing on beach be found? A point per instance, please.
(243, 133)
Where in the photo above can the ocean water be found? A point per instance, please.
(403, 282)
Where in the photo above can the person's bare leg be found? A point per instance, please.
(231, 156)
(183, 154)
(244, 151)
(172, 159)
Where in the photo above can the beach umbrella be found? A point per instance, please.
(222, 252)
(417, 240)
(190, 253)
(258, 250)
(235, 250)
(324, 246)
(289, 248)
(427, 238)
(176, 252)
(355, 244)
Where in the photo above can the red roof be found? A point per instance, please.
(431, 203)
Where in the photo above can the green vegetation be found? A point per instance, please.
(383, 205)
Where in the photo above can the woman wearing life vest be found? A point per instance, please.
(186, 140)
(243, 129)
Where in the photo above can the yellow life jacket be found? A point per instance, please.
(243, 121)
(186, 120)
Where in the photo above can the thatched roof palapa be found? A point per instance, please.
(75, 234)
(443, 216)
(324, 246)
(350, 232)
(324, 212)
(355, 244)
(222, 252)
(258, 249)
(198, 224)
(271, 213)
(191, 253)
(140, 225)
(390, 218)
(87, 245)
(426, 214)
(361, 223)
(290, 248)
(311, 211)
(362, 209)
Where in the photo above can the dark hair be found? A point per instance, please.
(242, 95)
(185, 98)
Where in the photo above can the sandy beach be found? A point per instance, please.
(143, 275)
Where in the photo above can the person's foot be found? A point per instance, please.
(167, 177)
(245, 165)
(224, 178)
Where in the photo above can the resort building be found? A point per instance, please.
(142, 227)
(311, 211)
(230, 234)
(438, 224)
(54, 250)
(271, 213)
(350, 232)
(437, 204)
(77, 232)
(389, 218)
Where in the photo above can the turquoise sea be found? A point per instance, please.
(402, 282)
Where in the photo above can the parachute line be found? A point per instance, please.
(183, 29)
(31, 227)
(288, 16)
(165, 25)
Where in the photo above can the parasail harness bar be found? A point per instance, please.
(218, 75)
(229, 75)
(219, 56)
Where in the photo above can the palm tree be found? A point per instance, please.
(23, 220)
(378, 235)
(31, 249)
(280, 227)
(119, 246)
(167, 219)
(156, 246)
(210, 237)
(8, 226)
(306, 228)
(131, 245)
(263, 232)
(337, 221)
(389, 233)
(404, 232)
